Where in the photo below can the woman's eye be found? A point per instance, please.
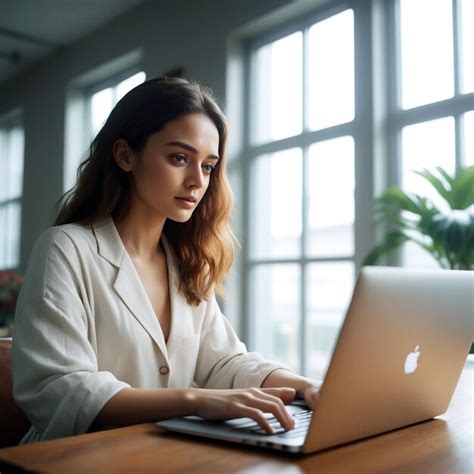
(179, 159)
(209, 168)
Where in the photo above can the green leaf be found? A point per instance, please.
(396, 199)
(391, 242)
(438, 184)
(449, 179)
(447, 236)
(463, 189)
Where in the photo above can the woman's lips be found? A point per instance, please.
(186, 203)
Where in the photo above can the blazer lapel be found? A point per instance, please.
(181, 311)
(128, 285)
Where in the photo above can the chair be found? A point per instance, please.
(13, 422)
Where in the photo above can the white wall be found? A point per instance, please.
(165, 34)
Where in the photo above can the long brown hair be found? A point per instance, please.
(204, 245)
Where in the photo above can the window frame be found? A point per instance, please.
(355, 129)
(78, 126)
(8, 123)
(376, 130)
(398, 118)
(92, 89)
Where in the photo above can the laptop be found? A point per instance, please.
(397, 361)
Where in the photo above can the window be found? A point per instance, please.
(341, 103)
(433, 103)
(468, 138)
(300, 161)
(102, 99)
(11, 189)
(87, 111)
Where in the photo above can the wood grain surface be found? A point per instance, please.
(442, 445)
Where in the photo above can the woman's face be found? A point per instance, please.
(171, 175)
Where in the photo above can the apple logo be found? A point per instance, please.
(411, 362)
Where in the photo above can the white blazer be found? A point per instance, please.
(85, 329)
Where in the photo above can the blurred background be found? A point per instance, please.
(329, 102)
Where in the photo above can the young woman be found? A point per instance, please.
(117, 322)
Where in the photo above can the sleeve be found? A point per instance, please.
(223, 360)
(56, 380)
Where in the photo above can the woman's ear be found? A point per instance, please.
(123, 155)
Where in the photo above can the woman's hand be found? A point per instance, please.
(305, 388)
(250, 402)
(311, 394)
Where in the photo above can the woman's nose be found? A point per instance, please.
(195, 177)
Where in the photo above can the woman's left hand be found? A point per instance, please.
(305, 387)
(311, 394)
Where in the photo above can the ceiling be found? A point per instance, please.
(31, 30)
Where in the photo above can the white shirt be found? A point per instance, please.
(85, 329)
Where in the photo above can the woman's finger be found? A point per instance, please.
(277, 410)
(279, 406)
(311, 396)
(285, 394)
(255, 414)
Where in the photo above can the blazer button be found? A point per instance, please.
(164, 370)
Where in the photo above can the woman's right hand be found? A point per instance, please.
(250, 402)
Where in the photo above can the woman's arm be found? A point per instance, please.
(132, 405)
(223, 360)
(305, 388)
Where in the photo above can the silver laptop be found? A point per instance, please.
(397, 360)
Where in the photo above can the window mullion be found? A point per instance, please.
(394, 77)
(457, 47)
(3, 163)
(246, 189)
(306, 138)
(303, 265)
(304, 208)
(303, 320)
(7, 259)
(458, 142)
(305, 79)
(457, 66)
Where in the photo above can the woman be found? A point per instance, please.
(117, 322)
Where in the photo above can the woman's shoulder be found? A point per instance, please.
(71, 242)
(55, 262)
(65, 236)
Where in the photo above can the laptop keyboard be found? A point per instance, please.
(302, 420)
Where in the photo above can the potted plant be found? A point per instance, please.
(10, 283)
(448, 235)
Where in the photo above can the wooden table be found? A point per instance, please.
(443, 445)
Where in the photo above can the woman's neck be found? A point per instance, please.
(141, 233)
